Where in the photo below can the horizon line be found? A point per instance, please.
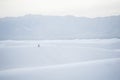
(58, 16)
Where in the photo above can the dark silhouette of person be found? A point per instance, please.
(38, 45)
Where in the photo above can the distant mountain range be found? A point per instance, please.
(58, 27)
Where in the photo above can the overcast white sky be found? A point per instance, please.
(86, 8)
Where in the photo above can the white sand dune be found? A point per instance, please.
(106, 69)
(60, 60)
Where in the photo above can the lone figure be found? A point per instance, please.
(38, 45)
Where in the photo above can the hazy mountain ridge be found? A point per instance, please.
(59, 27)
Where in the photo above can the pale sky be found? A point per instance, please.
(84, 8)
